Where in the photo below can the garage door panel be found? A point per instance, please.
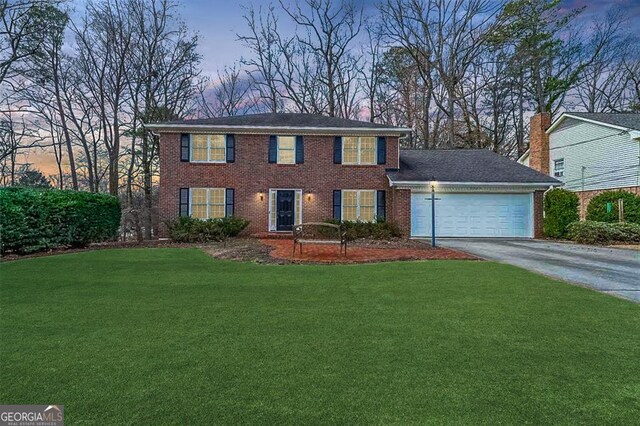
(473, 215)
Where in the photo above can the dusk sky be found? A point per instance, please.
(218, 22)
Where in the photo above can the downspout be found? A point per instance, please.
(544, 195)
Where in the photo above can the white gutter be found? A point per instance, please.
(440, 183)
(575, 117)
(270, 129)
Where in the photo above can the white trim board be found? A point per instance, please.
(588, 120)
(271, 226)
(189, 128)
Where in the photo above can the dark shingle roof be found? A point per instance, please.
(626, 120)
(464, 165)
(281, 120)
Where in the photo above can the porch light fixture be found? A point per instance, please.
(309, 196)
(261, 195)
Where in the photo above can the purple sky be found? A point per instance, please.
(218, 22)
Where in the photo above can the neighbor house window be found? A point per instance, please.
(286, 150)
(209, 148)
(358, 150)
(207, 203)
(558, 168)
(358, 205)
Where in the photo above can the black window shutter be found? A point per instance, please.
(231, 148)
(273, 149)
(299, 150)
(337, 204)
(184, 202)
(381, 205)
(229, 202)
(184, 147)
(382, 150)
(337, 150)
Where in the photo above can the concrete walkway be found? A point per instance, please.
(609, 270)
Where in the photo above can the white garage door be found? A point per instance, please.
(473, 215)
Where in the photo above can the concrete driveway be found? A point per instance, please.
(614, 271)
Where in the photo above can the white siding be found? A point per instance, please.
(611, 161)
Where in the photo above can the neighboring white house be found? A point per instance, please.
(588, 152)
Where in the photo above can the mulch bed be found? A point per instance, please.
(278, 251)
(363, 251)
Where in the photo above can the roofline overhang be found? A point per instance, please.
(588, 120)
(524, 155)
(444, 184)
(175, 128)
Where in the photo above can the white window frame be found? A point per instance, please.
(295, 147)
(208, 160)
(558, 172)
(358, 191)
(273, 224)
(359, 161)
(224, 202)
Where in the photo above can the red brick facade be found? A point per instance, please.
(539, 142)
(251, 175)
(586, 196)
(538, 214)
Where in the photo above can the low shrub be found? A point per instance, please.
(34, 220)
(380, 230)
(590, 232)
(597, 208)
(191, 230)
(560, 210)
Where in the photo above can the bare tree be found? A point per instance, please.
(601, 84)
(105, 39)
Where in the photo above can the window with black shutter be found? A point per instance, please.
(382, 150)
(273, 149)
(337, 150)
(381, 205)
(337, 204)
(184, 147)
(299, 150)
(229, 199)
(231, 148)
(184, 202)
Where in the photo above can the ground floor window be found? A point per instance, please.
(358, 205)
(207, 203)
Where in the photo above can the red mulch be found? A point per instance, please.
(328, 253)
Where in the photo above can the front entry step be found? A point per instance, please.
(274, 235)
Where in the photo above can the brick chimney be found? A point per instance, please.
(539, 142)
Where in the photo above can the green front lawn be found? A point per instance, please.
(173, 336)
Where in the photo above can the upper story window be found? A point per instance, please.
(358, 150)
(286, 150)
(208, 148)
(558, 167)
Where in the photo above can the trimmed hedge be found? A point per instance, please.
(191, 230)
(33, 220)
(597, 209)
(590, 232)
(380, 230)
(560, 210)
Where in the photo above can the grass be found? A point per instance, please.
(173, 336)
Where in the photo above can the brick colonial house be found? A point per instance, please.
(277, 170)
(588, 152)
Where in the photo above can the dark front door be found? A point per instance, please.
(285, 210)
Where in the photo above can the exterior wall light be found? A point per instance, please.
(261, 195)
